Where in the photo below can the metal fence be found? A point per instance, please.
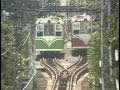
(32, 72)
(29, 85)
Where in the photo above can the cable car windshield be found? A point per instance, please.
(82, 27)
(49, 29)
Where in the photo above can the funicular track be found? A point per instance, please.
(54, 69)
(52, 72)
(74, 72)
(57, 63)
(70, 68)
(77, 73)
(64, 79)
(57, 68)
(64, 76)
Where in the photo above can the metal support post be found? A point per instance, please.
(20, 49)
(110, 52)
(20, 45)
(110, 61)
(109, 12)
(14, 84)
(102, 68)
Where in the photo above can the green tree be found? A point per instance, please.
(94, 56)
(10, 56)
(94, 52)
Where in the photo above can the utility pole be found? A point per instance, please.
(14, 74)
(19, 31)
(110, 53)
(102, 65)
(19, 47)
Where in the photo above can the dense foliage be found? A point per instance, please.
(12, 59)
(95, 51)
(94, 55)
(17, 37)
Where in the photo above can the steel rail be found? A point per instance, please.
(78, 61)
(54, 77)
(73, 65)
(56, 62)
(79, 70)
(49, 71)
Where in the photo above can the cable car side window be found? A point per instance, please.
(58, 30)
(40, 27)
(39, 30)
(76, 27)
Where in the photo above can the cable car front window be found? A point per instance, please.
(76, 27)
(49, 30)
